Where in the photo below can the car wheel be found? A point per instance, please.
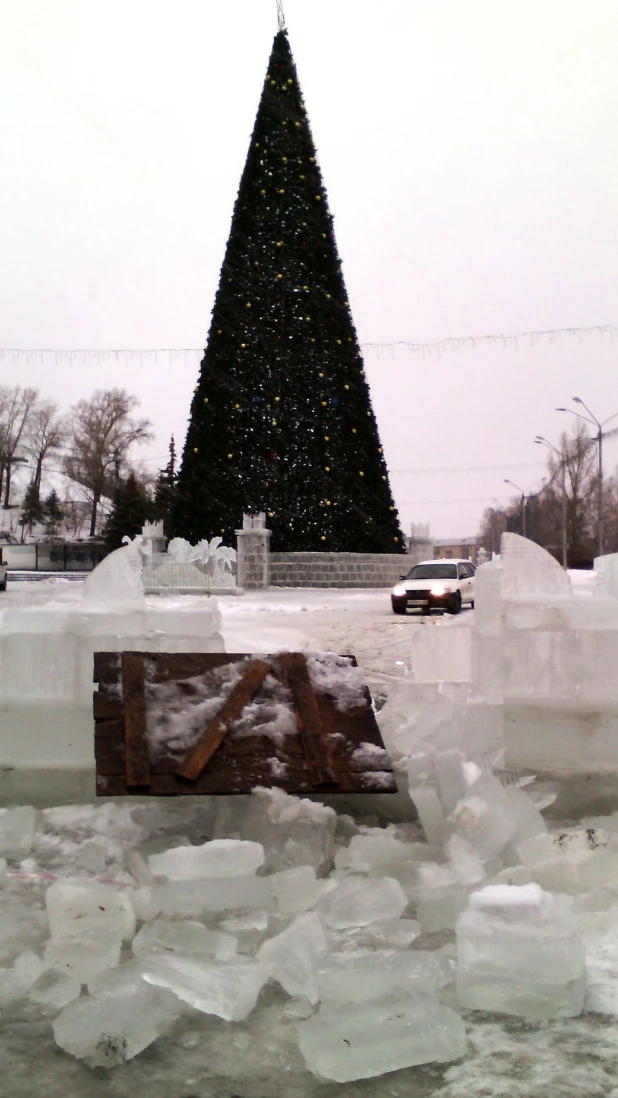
(472, 604)
(3, 586)
(455, 604)
(399, 609)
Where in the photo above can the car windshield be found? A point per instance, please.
(433, 572)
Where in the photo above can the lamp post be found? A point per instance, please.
(523, 504)
(590, 418)
(541, 441)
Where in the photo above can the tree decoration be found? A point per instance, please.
(282, 396)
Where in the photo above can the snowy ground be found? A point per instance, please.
(259, 1058)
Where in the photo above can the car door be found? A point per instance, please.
(465, 582)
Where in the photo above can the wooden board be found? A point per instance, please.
(340, 751)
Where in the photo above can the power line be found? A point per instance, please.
(470, 468)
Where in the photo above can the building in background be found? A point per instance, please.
(464, 548)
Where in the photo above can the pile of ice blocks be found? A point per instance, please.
(125, 924)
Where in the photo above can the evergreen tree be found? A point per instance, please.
(132, 508)
(53, 511)
(33, 510)
(281, 419)
(165, 490)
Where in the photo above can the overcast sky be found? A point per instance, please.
(470, 157)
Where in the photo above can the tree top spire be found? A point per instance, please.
(280, 15)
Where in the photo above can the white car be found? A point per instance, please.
(435, 585)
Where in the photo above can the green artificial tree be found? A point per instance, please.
(281, 419)
(33, 510)
(132, 508)
(165, 490)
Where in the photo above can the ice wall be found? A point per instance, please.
(535, 674)
(46, 663)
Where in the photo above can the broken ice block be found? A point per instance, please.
(361, 975)
(441, 897)
(228, 989)
(295, 889)
(520, 951)
(292, 957)
(17, 830)
(384, 1035)
(109, 1029)
(78, 907)
(217, 858)
(430, 812)
(357, 901)
(489, 816)
(466, 863)
(380, 855)
(293, 831)
(214, 894)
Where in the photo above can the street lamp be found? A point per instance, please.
(541, 441)
(590, 418)
(523, 503)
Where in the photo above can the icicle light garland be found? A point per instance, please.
(185, 355)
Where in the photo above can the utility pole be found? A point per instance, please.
(591, 418)
(544, 442)
(523, 504)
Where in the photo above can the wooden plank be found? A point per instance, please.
(137, 763)
(243, 692)
(309, 721)
(105, 707)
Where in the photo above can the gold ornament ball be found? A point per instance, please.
(230, 455)
(323, 538)
(279, 276)
(205, 400)
(328, 503)
(323, 403)
(320, 375)
(326, 438)
(195, 450)
(271, 514)
(327, 468)
(278, 244)
(243, 345)
(346, 386)
(262, 192)
(360, 473)
(237, 406)
(277, 398)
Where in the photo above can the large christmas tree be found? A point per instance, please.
(281, 419)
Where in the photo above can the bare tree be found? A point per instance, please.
(16, 406)
(493, 525)
(47, 433)
(101, 434)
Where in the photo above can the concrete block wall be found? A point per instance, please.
(337, 569)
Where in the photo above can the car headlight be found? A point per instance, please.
(438, 589)
(399, 591)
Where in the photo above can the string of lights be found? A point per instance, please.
(145, 355)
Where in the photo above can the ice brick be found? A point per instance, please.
(441, 897)
(82, 958)
(384, 1035)
(17, 830)
(520, 951)
(528, 569)
(109, 1029)
(357, 901)
(79, 907)
(295, 889)
(217, 858)
(229, 990)
(53, 990)
(359, 976)
(165, 936)
(214, 894)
